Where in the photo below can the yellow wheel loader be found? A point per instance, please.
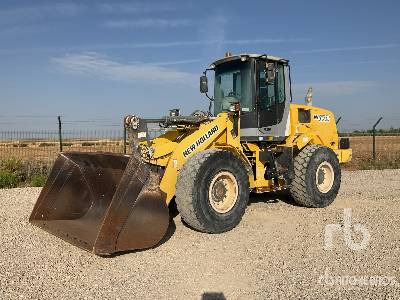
(254, 140)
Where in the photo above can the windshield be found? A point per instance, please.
(232, 84)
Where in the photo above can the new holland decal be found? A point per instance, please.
(200, 141)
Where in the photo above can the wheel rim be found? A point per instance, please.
(324, 177)
(223, 192)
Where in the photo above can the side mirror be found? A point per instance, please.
(203, 84)
(270, 73)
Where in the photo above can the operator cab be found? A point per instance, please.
(260, 83)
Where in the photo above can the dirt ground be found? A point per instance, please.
(279, 250)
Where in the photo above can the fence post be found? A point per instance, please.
(124, 127)
(59, 133)
(373, 139)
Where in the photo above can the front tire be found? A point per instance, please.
(212, 191)
(317, 176)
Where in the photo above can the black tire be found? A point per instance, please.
(192, 191)
(304, 187)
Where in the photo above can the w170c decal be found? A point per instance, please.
(200, 141)
(322, 118)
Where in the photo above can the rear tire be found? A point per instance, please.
(317, 176)
(212, 191)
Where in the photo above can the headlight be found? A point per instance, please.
(234, 107)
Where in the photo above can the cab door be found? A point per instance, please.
(271, 97)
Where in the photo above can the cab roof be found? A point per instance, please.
(233, 57)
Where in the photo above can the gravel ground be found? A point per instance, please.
(277, 251)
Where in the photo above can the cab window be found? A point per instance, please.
(233, 84)
(267, 91)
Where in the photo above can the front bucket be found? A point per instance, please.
(102, 202)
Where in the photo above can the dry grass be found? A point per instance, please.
(48, 150)
(387, 150)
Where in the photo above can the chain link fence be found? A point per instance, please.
(45, 145)
(387, 151)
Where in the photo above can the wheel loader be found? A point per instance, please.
(252, 139)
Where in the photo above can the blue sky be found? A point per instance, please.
(96, 61)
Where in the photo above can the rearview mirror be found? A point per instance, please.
(270, 73)
(203, 84)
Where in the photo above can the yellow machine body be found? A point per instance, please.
(173, 149)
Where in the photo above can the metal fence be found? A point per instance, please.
(45, 145)
(386, 148)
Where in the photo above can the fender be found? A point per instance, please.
(204, 138)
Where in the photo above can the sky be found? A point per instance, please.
(93, 62)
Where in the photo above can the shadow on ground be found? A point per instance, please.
(267, 198)
(213, 296)
(272, 197)
(168, 234)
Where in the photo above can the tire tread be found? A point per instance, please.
(298, 187)
(184, 188)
